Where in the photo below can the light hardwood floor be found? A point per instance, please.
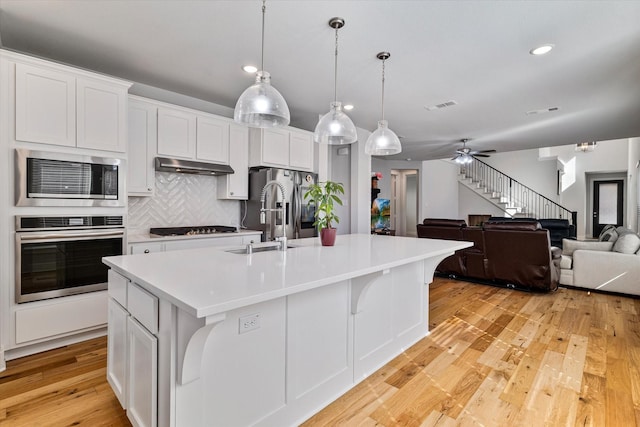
(495, 357)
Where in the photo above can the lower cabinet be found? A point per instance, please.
(142, 376)
(192, 243)
(132, 354)
(117, 352)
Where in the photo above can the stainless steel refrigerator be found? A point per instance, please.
(298, 218)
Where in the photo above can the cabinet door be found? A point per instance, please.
(176, 245)
(101, 116)
(45, 106)
(301, 150)
(142, 146)
(176, 133)
(117, 351)
(142, 376)
(145, 248)
(236, 185)
(212, 140)
(275, 147)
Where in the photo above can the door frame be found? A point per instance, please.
(591, 178)
(399, 199)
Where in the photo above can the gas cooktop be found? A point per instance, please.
(192, 231)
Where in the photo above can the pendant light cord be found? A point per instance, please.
(264, 9)
(335, 71)
(383, 61)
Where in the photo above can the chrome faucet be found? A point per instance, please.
(263, 211)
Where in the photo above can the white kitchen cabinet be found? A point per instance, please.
(132, 359)
(232, 239)
(212, 139)
(117, 351)
(142, 376)
(282, 148)
(142, 148)
(236, 185)
(101, 116)
(42, 320)
(301, 150)
(175, 245)
(45, 106)
(145, 247)
(176, 133)
(61, 105)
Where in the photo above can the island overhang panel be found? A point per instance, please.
(269, 338)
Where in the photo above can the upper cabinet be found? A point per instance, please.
(281, 147)
(160, 129)
(101, 116)
(236, 185)
(212, 139)
(142, 147)
(45, 106)
(60, 105)
(176, 133)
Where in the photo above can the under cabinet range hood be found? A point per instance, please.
(164, 164)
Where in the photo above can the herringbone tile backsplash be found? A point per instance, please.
(182, 200)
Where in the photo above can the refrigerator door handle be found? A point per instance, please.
(295, 207)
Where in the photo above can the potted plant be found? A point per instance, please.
(323, 195)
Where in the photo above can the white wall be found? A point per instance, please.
(340, 171)
(525, 167)
(608, 157)
(633, 182)
(438, 190)
(469, 203)
(360, 185)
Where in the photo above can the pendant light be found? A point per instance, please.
(383, 141)
(335, 127)
(261, 105)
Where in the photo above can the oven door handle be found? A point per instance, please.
(66, 236)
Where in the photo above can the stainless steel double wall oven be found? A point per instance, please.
(58, 255)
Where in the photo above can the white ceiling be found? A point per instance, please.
(473, 52)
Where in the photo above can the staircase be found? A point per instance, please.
(513, 198)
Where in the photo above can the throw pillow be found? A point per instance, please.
(608, 234)
(623, 230)
(627, 243)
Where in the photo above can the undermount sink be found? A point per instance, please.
(270, 248)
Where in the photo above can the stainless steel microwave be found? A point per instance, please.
(60, 179)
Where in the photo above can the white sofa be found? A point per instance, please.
(597, 265)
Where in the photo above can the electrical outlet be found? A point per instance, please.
(249, 323)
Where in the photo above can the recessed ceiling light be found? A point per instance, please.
(348, 107)
(250, 68)
(541, 50)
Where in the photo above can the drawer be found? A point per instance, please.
(143, 306)
(145, 248)
(118, 288)
(61, 316)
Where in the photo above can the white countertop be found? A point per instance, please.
(143, 237)
(209, 281)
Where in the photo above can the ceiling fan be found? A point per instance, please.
(466, 155)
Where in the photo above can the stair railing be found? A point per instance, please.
(514, 193)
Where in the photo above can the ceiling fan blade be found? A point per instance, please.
(486, 151)
(481, 155)
(455, 157)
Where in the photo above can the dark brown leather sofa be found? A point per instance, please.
(506, 253)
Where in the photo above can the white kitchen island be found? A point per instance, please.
(205, 337)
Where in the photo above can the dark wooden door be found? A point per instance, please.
(608, 204)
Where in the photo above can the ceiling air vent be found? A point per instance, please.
(441, 106)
